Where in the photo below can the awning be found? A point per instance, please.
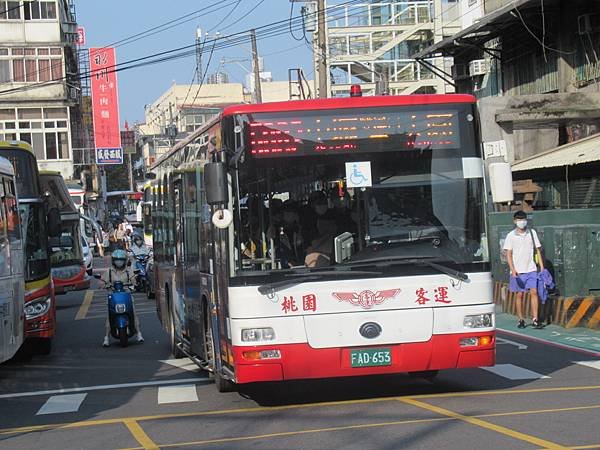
(579, 152)
(485, 29)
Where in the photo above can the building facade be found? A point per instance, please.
(534, 67)
(38, 78)
(372, 44)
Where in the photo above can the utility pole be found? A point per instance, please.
(322, 49)
(257, 86)
(198, 55)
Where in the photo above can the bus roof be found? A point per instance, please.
(17, 145)
(318, 104)
(350, 102)
(53, 183)
(6, 167)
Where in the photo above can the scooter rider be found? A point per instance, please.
(138, 247)
(120, 271)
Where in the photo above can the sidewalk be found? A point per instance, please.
(583, 338)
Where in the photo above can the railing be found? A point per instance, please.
(401, 70)
(375, 14)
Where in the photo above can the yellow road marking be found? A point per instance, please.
(85, 306)
(483, 424)
(300, 432)
(89, 423)
(370, 425)
(140, 435)
(505, 392)
(582, 447)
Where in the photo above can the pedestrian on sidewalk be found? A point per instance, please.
(521, 245)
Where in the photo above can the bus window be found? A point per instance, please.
(4, 242)
(11, 211)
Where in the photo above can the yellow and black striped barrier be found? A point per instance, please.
(567, 312)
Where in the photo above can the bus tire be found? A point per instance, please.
(426, 374)
(175, 350)
(222, 384)
(44, 346)
(123, 338)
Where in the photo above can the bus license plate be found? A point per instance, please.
(371, 357)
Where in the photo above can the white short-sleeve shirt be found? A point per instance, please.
(522, 249)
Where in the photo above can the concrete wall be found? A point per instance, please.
(30, 32)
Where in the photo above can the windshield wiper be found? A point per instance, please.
(302, 277)
(461, 276)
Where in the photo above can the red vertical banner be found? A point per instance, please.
(105, 106)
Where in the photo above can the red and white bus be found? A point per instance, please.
(326, 238)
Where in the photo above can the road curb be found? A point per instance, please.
(551, 343)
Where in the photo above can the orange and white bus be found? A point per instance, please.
(38, 221)
(67, 263)
(326, 238)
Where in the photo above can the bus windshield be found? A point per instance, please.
(66, 248)
(390, 183)
(35, 244)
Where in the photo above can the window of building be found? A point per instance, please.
(10, 10)
(35, 10)
(30, 65)
(46, 129)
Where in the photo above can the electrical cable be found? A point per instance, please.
(226, 16)
(290, 23)
(270, 30)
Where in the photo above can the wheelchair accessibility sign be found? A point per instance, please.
(358, 174)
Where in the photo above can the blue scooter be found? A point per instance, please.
(141, 268)
(120, 314)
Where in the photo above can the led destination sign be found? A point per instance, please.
(335, 132)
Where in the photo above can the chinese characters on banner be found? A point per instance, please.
(105, 106)
(80, 36)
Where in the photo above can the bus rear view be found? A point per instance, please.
(361, 246)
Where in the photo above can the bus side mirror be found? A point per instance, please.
(54, 223)
(501, 182)
(215, 183)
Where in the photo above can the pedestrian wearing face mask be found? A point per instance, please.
(521, 245)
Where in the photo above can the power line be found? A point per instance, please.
(272, 29)
(226, 16)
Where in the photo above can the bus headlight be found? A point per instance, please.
(479, 321)
(37, 308)
(258, 334)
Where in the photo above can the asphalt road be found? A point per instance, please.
(538, 396)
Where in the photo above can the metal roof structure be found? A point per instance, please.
(583, 151)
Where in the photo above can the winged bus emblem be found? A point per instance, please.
(366, 299)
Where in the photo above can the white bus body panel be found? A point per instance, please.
(335, 322)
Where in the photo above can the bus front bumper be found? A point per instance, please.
(301, 361)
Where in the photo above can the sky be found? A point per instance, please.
(109, 21)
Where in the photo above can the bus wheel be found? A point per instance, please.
(221, 383)
(175, 350)
(427, 374)
(43, 346)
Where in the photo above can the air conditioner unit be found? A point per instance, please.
(459, 71)
(478, 67)
(588, 23)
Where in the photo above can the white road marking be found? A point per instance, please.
(62, 404)
(106, 387)
(177, 394)
(516, 344)
(513, 372)
(592, 364)
(183, 363)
